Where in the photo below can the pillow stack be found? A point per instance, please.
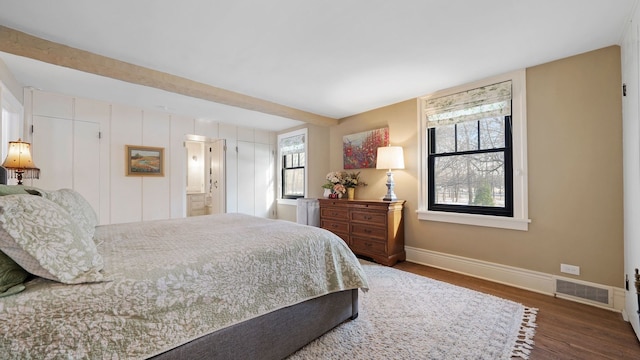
(50, 236)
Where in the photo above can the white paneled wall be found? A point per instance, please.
(80, 144)
(126, 191)
(180, 127)
(156, 200)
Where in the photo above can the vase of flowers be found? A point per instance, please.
(351, 181)
(341, 182)
(335, 184)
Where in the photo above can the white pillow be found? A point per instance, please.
(76, 205)
(44, 239)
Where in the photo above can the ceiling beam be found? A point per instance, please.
(22, 44)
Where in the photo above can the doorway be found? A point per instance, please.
(205, 189)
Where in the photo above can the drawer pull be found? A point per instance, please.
(368, 231)
(334, 225)
(368, 217)
(334, 214)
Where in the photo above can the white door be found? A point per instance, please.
(264, 181)
(86, 162)
(53, 152)
(246, 178)
(630, 57)
(68, 155)
(216, 198)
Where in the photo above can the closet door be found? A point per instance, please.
(68, 155)
(264, 197)
(217, 184)
(53, 152)
(229, 134)
(86, 161)
(246, 178)
(630, 58)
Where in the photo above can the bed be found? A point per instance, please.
(207, 287)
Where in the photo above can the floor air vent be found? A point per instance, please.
(589, 293)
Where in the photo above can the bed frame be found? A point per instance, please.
(275, 335)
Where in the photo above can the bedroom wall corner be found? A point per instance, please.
(575, 174)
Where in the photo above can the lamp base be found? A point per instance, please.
(390, 196)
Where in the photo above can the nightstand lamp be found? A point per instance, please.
(390, 157)
(19, 163)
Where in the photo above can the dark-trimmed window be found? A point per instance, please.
(470, 158)
(294, 160)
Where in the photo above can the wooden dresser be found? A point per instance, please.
(371, 228)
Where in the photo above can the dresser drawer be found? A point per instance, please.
(368, 246)
(369, 231)
(335, 213)
(371, 228)
(369, 217)
(335, 226)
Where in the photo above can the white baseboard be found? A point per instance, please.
(508, 275)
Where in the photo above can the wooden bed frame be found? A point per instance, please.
(275, 335)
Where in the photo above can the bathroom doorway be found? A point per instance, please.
(205, 189)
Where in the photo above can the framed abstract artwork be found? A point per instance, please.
(144, 160)
(359, 150)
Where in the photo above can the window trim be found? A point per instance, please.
(520, 220)
(507, 150)
(303, 131)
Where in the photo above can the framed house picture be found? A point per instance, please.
(144, 160)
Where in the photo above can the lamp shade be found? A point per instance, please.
(390, 157)
(18, 161)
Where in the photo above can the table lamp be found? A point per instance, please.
(19, 163)
(390, 157)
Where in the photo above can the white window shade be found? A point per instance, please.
(471, 105)
(292, 145)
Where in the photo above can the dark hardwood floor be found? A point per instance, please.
(566, 330)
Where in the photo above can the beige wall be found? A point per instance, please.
(318, 158)
(574, 117)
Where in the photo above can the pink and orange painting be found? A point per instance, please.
(360, 150)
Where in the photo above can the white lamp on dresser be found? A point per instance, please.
(390, 157)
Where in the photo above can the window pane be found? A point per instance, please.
(288, 161)
(476, 179)
(295, 160)
(492, 134)
(467, 136)
(302, 160)
(445, 139)
(293, 182)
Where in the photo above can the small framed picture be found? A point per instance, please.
(144, 160)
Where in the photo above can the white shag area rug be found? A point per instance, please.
(408, 316)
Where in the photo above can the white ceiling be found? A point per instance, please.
(334, 58)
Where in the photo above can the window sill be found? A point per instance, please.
(291, 202)
(477, 220)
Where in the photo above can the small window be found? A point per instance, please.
(293, 160)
